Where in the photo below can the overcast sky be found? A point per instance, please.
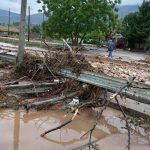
(15, 4)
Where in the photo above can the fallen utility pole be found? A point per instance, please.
(51, 101)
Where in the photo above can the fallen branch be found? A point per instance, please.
(62, 125)
(45, 43)
(69, 121)
(68, 45)
(85, 145)
(49, 70)
(127, 124)
(99, 115)
(115, 96)
(129, 82)
(47, 66)
(14, 82)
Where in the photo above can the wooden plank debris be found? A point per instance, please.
(8, 57)
(29, 88)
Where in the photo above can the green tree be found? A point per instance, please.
(136, 26)
(75, 18)
(143, 21)
(129, 29)
(36, 29)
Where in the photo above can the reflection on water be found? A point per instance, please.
(16, 130)
(21, 131)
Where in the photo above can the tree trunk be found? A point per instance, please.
(82, 38)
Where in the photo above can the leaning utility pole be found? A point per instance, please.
(22, 32)
(9, 23)
(28, 23)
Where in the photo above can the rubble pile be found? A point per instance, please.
(121, 69)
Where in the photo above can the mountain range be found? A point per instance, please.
(14, 17)
(126, 9)
(38, 18)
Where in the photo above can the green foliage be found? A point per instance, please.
(94, 37)
(75, 18)
(130, 25)
(36, 29)
(143, 122)
(136, 26)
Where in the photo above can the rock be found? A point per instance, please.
(126, 72)
(132, 73)
(142, 80)
(96, 64)
(124, 76)
(120, 69)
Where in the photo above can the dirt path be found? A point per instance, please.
(124, 54)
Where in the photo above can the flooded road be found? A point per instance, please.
(21, 131)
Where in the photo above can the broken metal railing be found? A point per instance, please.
(111, 84)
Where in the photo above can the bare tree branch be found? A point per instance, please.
(62, 125)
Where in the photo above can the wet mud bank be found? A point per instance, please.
(21, 131)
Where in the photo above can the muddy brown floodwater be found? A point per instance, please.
(21, 131)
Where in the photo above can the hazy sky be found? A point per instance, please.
(15, 4)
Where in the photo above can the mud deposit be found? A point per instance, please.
(21, 131)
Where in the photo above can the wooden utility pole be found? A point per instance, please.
(28, 23)
(9, 23)
(22, 32)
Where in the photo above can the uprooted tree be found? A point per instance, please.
(75, 18)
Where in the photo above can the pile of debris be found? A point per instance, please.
(39, 85)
